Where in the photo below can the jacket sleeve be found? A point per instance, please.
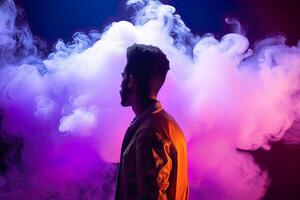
(153, 166)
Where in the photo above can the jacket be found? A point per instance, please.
(153, 161)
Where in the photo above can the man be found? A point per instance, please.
(153, 163)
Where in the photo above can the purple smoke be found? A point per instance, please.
(63, 117)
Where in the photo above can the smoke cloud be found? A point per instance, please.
(63, 119)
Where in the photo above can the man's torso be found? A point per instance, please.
(159, 125)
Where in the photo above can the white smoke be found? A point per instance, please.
(66, 108)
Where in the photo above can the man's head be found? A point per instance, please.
(144, 73)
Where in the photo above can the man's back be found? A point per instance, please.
(154, 162)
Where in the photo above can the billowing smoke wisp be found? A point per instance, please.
(63, 119)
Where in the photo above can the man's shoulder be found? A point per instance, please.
(161, 122)
(156, 120)
(163, 129)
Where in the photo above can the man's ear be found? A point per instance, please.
(130, 81)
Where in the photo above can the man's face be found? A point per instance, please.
(125, 90)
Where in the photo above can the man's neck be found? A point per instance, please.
(140, 105)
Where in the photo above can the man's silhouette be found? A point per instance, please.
(153, 163)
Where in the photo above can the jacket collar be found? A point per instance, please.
(153, 108)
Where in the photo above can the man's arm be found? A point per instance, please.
(153, 166)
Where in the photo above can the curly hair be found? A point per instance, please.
(148, 65)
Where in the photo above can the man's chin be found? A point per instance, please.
(125, 103)
(124, 99)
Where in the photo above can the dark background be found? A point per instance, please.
(54, 19)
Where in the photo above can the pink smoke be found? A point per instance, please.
(65, 110)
